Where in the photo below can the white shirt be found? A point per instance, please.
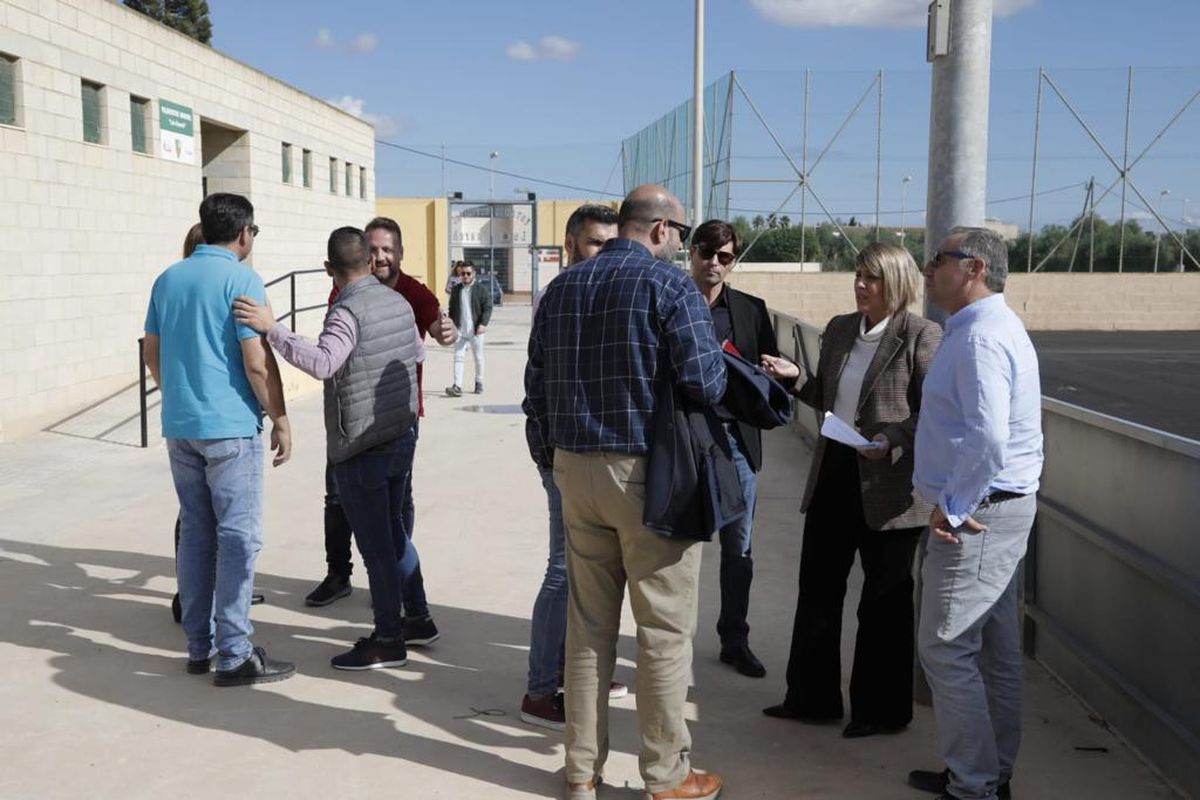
(467, 323)
(980, 428)
(849, 388)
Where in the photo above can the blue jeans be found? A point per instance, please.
(737, 567)
(548, 631)
(970, 645)
(338, 534)
(219, 484)
(371, 488)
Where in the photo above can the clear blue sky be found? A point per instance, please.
(554, 86)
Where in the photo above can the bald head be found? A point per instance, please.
(644, 215)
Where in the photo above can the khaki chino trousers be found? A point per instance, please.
(608, 549)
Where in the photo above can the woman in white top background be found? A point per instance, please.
(869, 374)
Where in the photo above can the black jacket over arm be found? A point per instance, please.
(754, 337)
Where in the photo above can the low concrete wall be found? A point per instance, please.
(1045, 302)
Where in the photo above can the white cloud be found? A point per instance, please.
(860, 13)
(364, 43)
(521, 51)
(550, 48)
(324, 40)
(356, 106)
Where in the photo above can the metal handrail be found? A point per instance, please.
(144, 392)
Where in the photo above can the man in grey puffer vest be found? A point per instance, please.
(367, 354)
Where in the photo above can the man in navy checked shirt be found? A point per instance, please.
(607, 332)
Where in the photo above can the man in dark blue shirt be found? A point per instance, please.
(606, 334)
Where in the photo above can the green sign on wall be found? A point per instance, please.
(177, 125)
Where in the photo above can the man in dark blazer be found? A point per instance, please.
(742, 324)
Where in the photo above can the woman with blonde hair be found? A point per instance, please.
(871, 368)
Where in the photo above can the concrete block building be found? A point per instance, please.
(112, 128)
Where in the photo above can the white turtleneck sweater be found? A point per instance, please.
(845, 404)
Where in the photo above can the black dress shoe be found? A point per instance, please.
(858, 730)
(258, 668)
(744, 661)
(199, 666)
(782, 711)
(937, 782)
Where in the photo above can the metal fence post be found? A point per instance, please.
(142, 389)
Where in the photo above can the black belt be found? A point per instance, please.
(998, 497)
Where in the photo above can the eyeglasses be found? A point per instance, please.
(937, 256)
(685, 231)
(724, 257)
(253, 230)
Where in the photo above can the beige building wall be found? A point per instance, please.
(1044, 301)
(552, 217)
(423, 223)
(85, 228)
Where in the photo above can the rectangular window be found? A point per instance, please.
(306, 167)
(332, 175)
(349, 176)
(8, 89)
(93, 112)
(362, 183)
(139, 115)
(285, 152)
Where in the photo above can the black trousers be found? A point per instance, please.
(834, 530)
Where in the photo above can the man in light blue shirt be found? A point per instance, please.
(978, 457)
(216, 378)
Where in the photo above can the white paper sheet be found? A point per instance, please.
(836, 429)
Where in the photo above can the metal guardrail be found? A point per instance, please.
(1111, 590)
(144, 391)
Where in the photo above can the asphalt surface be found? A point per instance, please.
(1152, 378)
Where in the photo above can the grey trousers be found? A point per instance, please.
(608, 549)
(970, 645)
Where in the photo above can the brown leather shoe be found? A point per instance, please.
(584, 791)
(696, 786)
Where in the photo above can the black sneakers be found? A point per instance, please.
(478, 387)
(334, 587)
(372, 653)
(454, 391)
(419, 631)
(928, 780)
(258, 668)
(199, 666)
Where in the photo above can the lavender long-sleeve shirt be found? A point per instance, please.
(324, 357)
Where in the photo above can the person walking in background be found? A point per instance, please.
(471, 311)
(608, 333)
(216, 378)
(871, 368)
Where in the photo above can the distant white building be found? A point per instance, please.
(112, 127)
(1008, 231)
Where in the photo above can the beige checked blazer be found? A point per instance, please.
(890, 400)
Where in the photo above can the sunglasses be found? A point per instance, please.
(724, 257)
(937, 256)
(685, 231)
(253, 230)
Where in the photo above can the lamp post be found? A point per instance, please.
(492, 156)
(1158, 235)
(903, 192)
(1183, 234)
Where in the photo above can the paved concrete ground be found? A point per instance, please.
(94, 701)
(1152, 378)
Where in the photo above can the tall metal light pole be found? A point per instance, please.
(903, 192)
(492, 156)
(960, 48)
(1158, 235)
(698, 132)
(1183, 233)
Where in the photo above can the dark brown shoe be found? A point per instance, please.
(696, 786)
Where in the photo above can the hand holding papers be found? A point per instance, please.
(835, 429)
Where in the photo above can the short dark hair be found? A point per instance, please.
(387, 224)
(715, 234)
(347, 249)
(223, 216)
(603, 215)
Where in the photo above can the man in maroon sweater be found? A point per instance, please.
(387, 253)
